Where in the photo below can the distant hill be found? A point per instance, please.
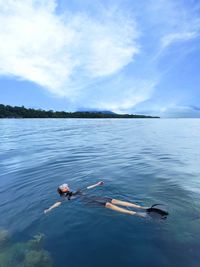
(7, 111)
(96, 111)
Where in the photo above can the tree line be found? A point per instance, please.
(7, 111)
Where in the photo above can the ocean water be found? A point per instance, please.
(145, 161)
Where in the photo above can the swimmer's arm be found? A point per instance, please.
(88, 187)
(95, 185)
(57, 204)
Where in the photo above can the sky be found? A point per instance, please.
(125, 56)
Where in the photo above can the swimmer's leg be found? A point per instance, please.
(126, 204)
(122, 210)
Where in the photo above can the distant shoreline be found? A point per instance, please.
(10, 112)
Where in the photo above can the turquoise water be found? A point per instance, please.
(144, 161)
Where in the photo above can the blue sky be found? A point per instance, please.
(120, 55)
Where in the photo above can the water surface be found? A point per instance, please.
(145, 161)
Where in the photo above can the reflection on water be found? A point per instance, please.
(144, 161)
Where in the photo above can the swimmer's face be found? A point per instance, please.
(65, 189)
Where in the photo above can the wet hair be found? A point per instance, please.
(60, 192)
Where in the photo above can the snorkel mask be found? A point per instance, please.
(63, 189)
(63, 186)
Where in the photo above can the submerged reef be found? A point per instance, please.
(4, 237)
(23, 254)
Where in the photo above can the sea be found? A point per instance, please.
(143, 161)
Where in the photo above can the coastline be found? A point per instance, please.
(10, 112)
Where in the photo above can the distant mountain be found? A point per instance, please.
(96, 111)
(22, 112)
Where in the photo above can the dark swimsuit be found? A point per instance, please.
(89, 199)
(102, 201)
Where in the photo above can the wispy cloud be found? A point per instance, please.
(66, 52)
(179, 22)
(171, 38)
(119, 94)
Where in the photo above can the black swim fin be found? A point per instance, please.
(156, 205)
(157, 210)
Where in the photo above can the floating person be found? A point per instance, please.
(110, 203)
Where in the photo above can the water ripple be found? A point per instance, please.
(144, 161)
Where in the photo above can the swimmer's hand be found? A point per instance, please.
(45, 211)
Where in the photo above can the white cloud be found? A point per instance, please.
(174, 22)
(63, 53)
(181, 112)
(93, 61)
(129, 93)
(171, 38)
